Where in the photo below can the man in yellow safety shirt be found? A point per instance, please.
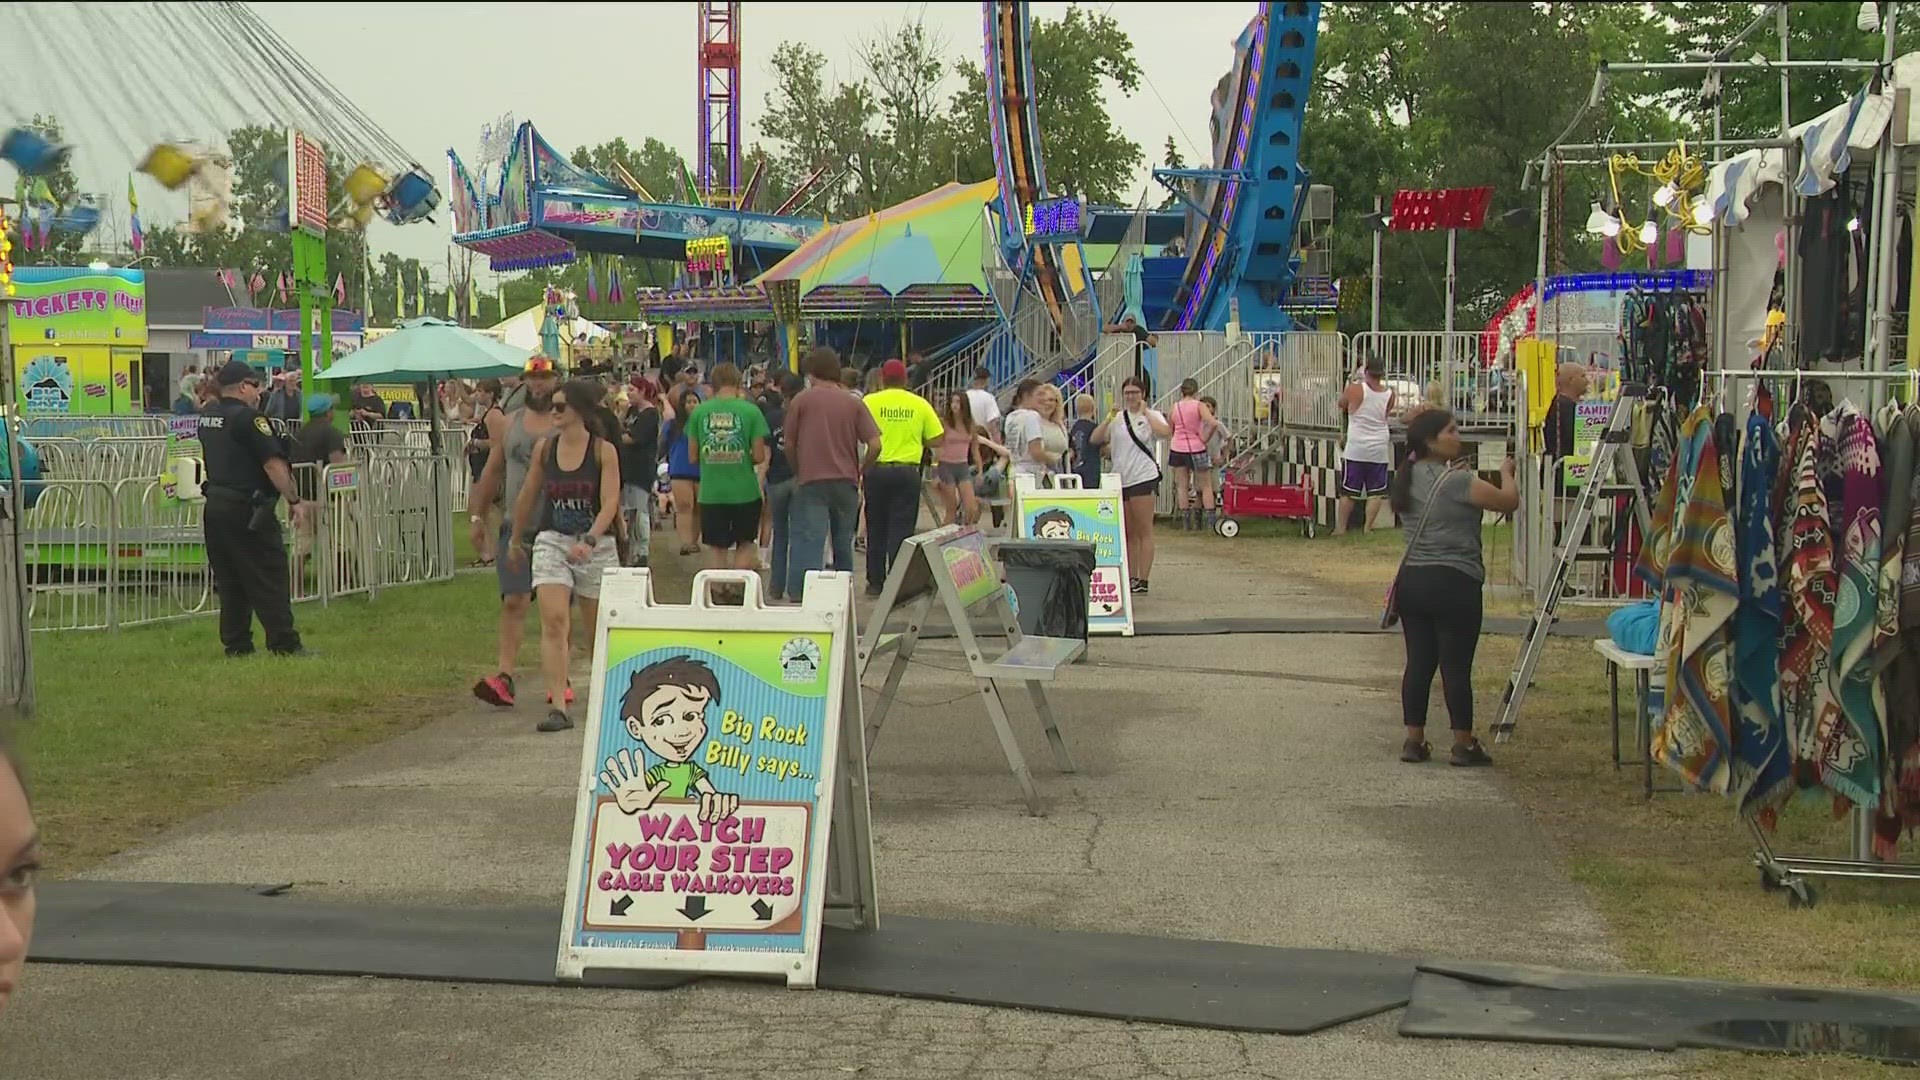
(908, 426)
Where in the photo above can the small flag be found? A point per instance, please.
(285, 285)
(399, 297)
(614, 293)
(473, 300)
(46, 225)
(500, 289)
(254, 286)
(136, 237)
(340, 289)
(420, 294)
(453, 313)
(593, 286)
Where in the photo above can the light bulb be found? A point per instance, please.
(1611, 228)
(1599, 219)
(1664, 196)
(1702, 212)
(1649, 233)
(1868, 17)
(1853, 224)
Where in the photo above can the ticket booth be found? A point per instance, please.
(78, 335)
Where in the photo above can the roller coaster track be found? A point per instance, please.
(1015, 131)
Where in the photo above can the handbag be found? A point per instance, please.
(1390, 617)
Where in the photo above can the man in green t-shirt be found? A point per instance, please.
(727, 438)
(665, 710)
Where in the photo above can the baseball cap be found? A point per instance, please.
(893, 370)
(539, 365)
(235, 372)
(320, 404)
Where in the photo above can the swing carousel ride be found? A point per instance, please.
(164, 84)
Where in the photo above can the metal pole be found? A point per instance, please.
(1742, 65)
(1888, 192)
(1716, 143)
(1453, 237)
(1379, 235)
(1789, 303)
(13, 503)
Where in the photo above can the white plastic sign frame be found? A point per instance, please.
(706, 798)
(1089, 514)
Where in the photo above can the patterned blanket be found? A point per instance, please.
(1847, 725)
(1695, 736)
(1762, 769)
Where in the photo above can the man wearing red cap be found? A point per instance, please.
(908, 427)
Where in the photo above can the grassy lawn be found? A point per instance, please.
(143, 728)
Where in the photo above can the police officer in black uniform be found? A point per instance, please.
(246, 473)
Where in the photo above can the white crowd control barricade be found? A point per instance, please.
(722, 809)
(1068, 511)
(951, 565)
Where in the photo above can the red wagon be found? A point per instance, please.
(1239, 499)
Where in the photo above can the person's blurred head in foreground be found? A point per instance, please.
(19, 863)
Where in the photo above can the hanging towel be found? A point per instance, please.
(1695, 735)
(1762, 770)
(1849, 734)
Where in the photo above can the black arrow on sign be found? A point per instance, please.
(621, 905)
(695, 909)
(762, 910)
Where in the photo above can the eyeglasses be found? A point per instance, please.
(558, 406)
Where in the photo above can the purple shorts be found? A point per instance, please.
(1364, 479)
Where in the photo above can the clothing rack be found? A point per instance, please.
(1785, 872)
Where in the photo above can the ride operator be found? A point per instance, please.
(246, 473)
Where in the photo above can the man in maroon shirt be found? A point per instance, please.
(825, 429)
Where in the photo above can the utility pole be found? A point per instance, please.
(1379, 231)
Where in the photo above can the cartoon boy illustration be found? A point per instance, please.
(666, 711)
(1053, 525)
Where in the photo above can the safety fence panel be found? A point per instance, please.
(1441, 369)
(34, 427)
(1301, 376)
(99, 554)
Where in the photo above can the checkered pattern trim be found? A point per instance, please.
(1295, 456)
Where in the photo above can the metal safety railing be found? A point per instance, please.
(1440, 369)
(104, 554)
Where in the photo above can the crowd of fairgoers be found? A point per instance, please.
(769, 470)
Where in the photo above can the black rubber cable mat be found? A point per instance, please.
(1516, 1003)
(1121, 976)
(1500, 625)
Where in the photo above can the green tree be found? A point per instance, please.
(1074, 58)
(62, 248)
(1172, 159)
(1750, 100)
(817, 123)
(1405, 98)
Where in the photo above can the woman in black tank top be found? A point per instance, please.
(485, 403)
(564, 521)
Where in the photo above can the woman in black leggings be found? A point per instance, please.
(1440, 504)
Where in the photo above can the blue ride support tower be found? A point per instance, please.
(1240, 254)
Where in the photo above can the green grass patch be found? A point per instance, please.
(139, 729)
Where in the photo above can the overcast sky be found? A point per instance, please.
(433, 74)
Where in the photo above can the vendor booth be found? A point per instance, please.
(77, 336)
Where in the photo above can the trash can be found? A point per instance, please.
(1048, 580)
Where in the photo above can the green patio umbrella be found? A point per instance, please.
(430, 349)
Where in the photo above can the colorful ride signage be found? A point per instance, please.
(709, 781)
(709, 254)
(75, 306)
(1056, 219)
(1069, 512)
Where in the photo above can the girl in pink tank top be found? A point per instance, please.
(1188, 459)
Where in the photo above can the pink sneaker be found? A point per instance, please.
(495, 690)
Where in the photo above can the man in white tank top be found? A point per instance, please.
(1368, 402)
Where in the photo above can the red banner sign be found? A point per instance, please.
(1449, 208)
